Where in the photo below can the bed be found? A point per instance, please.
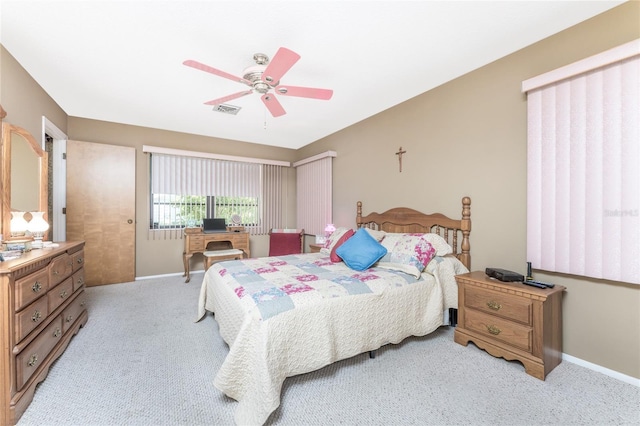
(288, 315)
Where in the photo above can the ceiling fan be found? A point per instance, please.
(264, 77)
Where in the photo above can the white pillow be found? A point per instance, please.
(437, 242)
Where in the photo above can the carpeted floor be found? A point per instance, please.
(141, 360)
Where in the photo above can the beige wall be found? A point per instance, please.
(468, 137)
(160, 256)
(24, 100)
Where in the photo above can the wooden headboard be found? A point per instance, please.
(403, 220)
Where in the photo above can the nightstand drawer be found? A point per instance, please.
(499, 304)
(513, 334)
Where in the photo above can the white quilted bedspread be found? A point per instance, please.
(262, 353)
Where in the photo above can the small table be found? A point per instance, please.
(511, 320)
(315, 248)
(196, 241)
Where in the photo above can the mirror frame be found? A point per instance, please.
(5, 179)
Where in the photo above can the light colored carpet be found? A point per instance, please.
(141, 360)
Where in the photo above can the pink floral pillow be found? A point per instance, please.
(410, 250)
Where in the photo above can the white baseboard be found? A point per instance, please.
(149, 277)
(601, 369)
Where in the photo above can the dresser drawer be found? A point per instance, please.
(500, 304)
(31, 357)
(30, 317)
(77, 260)
(59, 294)
(31, 287)
(73, 311)
(59, 269)
(511, 333)
(78, 279)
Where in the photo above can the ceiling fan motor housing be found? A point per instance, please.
(254, 75)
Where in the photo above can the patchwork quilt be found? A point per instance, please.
(295, 314)
(272, 285)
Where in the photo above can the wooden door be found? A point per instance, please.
(101, 209)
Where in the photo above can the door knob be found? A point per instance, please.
(130, 221)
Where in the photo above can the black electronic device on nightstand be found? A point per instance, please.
(504, 275)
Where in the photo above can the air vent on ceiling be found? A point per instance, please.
(227, 109)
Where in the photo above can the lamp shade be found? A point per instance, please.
(329, 229)
(18, 224)
(37, 225)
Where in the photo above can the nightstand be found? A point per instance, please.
(315, 248)
(511, 320)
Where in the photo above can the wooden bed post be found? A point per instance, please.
(465, 256)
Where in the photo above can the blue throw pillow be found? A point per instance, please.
(361, 251)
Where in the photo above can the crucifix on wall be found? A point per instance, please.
(399, 154)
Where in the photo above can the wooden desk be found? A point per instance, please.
(196, 241)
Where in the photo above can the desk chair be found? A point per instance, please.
(286, 241)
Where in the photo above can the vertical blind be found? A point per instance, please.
(172, 174)
(273, 207)
(314, 194)
(194, 176)
(583, 177)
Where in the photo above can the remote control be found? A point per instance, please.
(540, 283)
(534, 284)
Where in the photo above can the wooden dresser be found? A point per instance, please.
(511, 320)
(43, 307)
(196, 241)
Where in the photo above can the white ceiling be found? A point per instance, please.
(121, 61)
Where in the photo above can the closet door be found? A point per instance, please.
(101, 209)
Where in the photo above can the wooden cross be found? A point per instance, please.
(399, 154)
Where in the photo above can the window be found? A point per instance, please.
(184, 189)
(583, 195)
(179, 211)
(314, 192)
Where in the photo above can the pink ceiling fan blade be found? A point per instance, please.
(279, 65)
(229, 97)
(305, 92)
(273, 105)
(202, 67)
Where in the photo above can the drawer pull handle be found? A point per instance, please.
(70, 318)
(63, 294)
(36, 287)
(33, 360)
(80, 281)
(494, 305)
(55, 272)
(36, 316)
(80, 260)
(493, 330)
(57, 333)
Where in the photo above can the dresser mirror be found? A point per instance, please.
(24, 175)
